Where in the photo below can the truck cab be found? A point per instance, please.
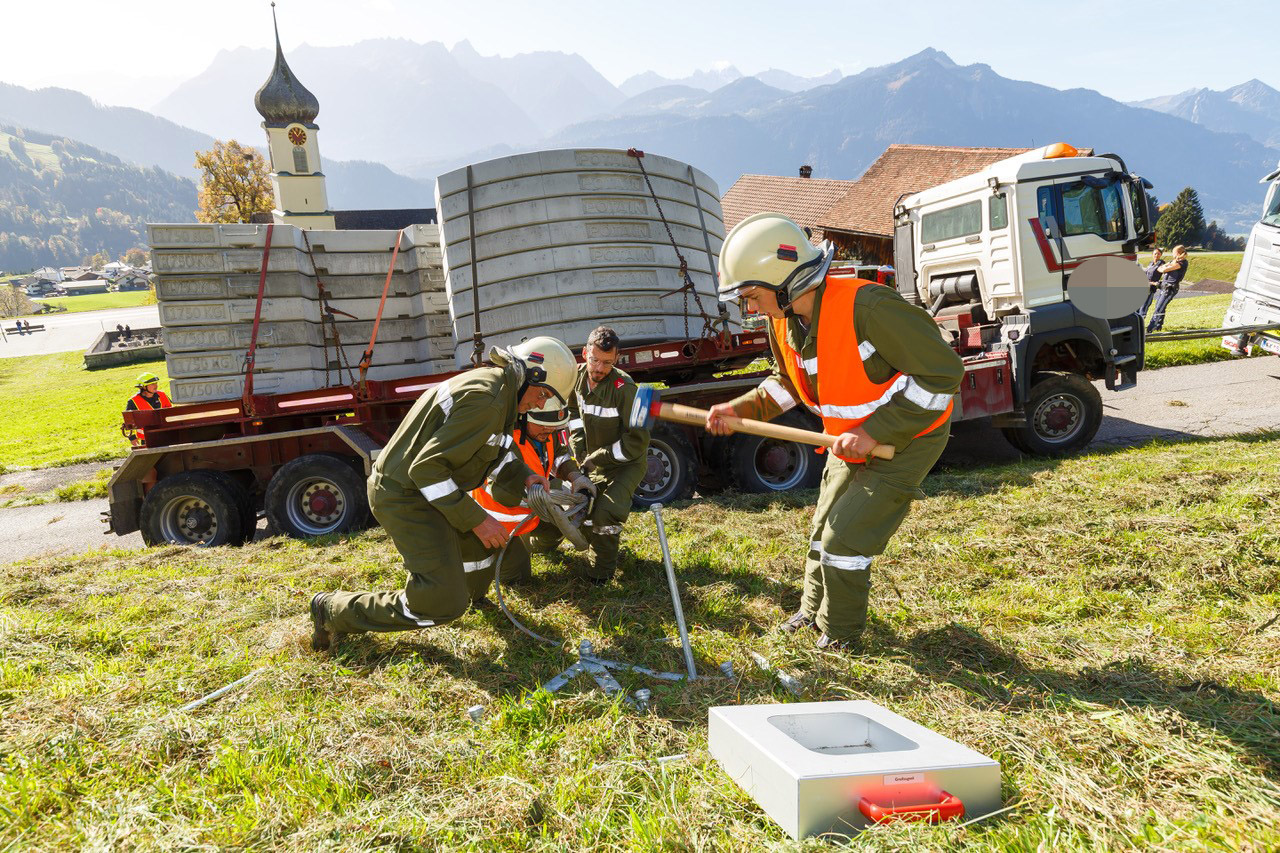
(1256, 300)
(989, 256)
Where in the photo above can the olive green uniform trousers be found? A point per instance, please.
(436, 590)
(860, 507)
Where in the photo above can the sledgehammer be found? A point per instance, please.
(648, 407)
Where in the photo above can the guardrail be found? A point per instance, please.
(1193, 334)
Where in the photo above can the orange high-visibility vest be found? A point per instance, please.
(848, 397)
(519, 520)
(142, 404)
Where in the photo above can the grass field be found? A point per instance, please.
(100, 301)
(1105, 627)
(1193, 312)
(1222, 266)
(63, 413)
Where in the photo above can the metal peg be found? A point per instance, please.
(656, 509)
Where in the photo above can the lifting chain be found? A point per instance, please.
(708, 327)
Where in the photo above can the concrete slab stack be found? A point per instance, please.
(207, 286)
(568, 239)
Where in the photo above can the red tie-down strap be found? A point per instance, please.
(367, 358)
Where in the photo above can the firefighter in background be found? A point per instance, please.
(449, 443)
(149, 397)
(611, 453)
(541, 441)
(875, 369)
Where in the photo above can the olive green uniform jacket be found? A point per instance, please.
(455, 436)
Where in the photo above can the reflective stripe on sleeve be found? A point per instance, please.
(444, 399)
(810, 365)
(560, 460)
(866, 349)
(436, 491)
(599, 411)
(609, 529)
(576, 423)
(779, 394)
(617, 451)
(925, 399)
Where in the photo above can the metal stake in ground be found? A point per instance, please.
(656, 509)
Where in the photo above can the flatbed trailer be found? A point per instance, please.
(206, 472)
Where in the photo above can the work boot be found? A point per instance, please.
(798, 620)
(829, 645)
(321, 636)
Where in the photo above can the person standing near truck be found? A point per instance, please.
(612, 454)
(1172, 274)
(1153, 278)
(420, 489)
(541, 441)
(149, 397)
(875, 369)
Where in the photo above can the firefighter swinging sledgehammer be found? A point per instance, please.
(875, 369)
(449, 443)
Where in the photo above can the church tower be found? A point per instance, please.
(289, 113)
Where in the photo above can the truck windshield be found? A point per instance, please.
(1092, 210)
(1271, 210)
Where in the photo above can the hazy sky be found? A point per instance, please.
(134, 53)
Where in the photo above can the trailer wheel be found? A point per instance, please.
(1064, 412)
(248, 512)
(673, 469)
(192, 508)
(316, 494)
(759, 464)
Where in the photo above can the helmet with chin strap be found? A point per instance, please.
(771, 251)
(549, 364)
(552, 414)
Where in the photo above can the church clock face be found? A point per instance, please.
(297, 136)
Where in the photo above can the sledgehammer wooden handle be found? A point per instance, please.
(698, 417)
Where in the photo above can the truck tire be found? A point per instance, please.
(192, 508)
(673, 469)
(1064, 412)
(316, 494)
(759, 464)
(248, 512)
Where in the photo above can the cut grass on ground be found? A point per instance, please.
(80, 490)
(62, 413)
(99, 301)
(1103, 626)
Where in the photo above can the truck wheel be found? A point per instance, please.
(316, 494)
(248, 512)
(192, 508)
(759, 464)
(673, 469)
(1064, 412)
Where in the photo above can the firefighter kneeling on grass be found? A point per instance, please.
(541, 441)
(449, 443)
(875, 369)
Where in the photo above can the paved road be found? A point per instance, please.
(71, 332)
(1223, 398)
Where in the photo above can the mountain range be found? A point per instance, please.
(395, 113)
(1252, 108)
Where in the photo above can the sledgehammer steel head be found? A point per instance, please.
(644, 410)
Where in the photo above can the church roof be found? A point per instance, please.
(282, 99)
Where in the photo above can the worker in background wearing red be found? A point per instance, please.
(149, 397)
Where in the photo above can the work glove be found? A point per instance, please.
(582, 483)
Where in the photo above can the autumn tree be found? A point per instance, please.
(135, 257)
(234, 183)
(99, 260)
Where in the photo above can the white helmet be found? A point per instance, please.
(771, 251)
(548, 363)
(552, 414)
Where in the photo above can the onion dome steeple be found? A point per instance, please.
(282, 99)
